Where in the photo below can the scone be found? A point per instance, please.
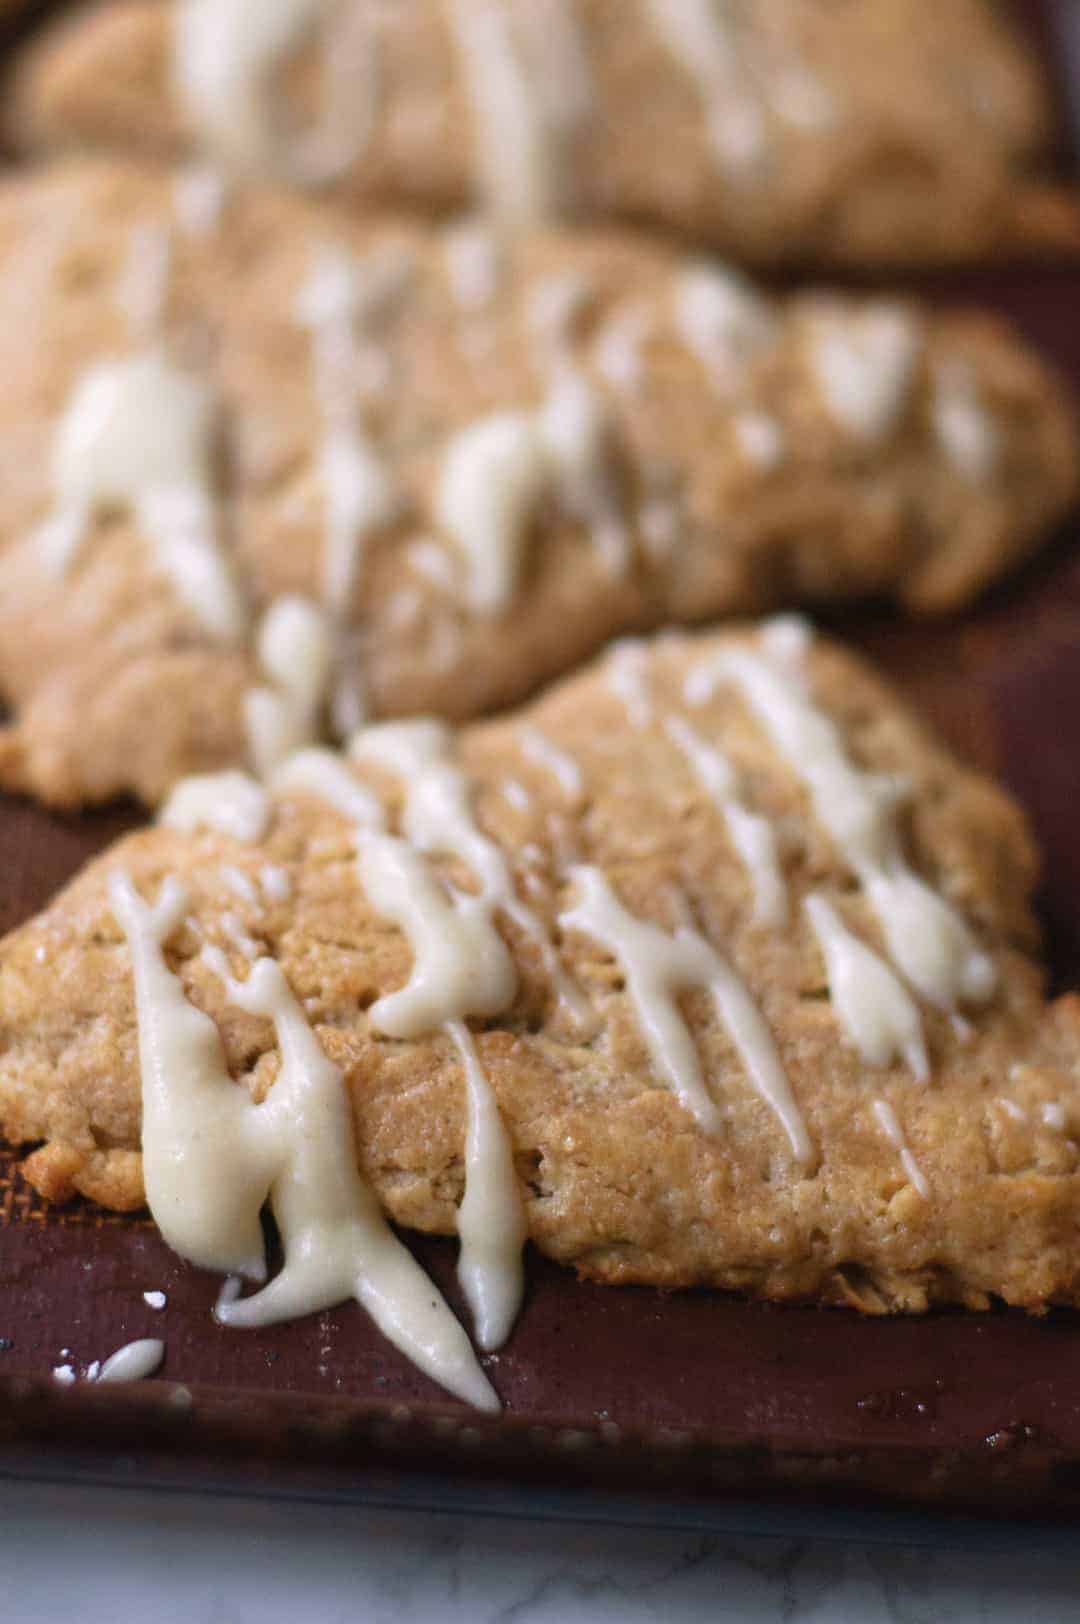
(779, 132)
(268, 469)
(710, 968)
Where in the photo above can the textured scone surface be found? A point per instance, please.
(718, 452)
(618, 1177)
(789, 131)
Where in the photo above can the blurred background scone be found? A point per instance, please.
(786, 132)
(474, 461)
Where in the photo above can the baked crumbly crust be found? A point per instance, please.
(822, 134)
(733, 483)
(618, 1178)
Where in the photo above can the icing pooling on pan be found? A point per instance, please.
(446, 883)
(461, 967)
(491, 1218)
(134, 1362)
(212, 1158)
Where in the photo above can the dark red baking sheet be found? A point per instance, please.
(688, 1399)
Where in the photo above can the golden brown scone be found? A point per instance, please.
(482, 460)
(783, 132)
(969, 1190)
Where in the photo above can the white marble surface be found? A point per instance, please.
(106, 1556)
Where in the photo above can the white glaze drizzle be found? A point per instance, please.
(877, 1014)
(360, 494)
(498, 471)
(625, 673)
(893, 1132)
(722, 320)
(927, 939)
(617, 348)
(493, 478)
(864, 364)
(329, 1219)
(515, 794)
(137, 436)
(294, 647)
(514, 154)
(700, 35)
(276, 882)
(212, 1157)
(575, 428)
(538, 748)
(752, 836)
(527, 82)
(134, 1362)
(199, 196)
(1053, 1116)
(554, 46)
(802, 99)
(325, 775)
(554, 307)
(240, 884)
(461, 966)
(361, 498)
(143, 289)
(501, 468)
(226, 54)
(787, 640)
(491, 1220)
(658, 520)
(659, 967)
(231, 803)
(964, 428)
(474, 259)
(761, 439)
(430, 560)
(438, 820)
(195, 1120)
(241, 942)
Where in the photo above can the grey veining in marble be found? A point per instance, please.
(117, 1556)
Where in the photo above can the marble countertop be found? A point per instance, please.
(117, 1554)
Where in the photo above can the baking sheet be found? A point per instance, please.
(694, 1408)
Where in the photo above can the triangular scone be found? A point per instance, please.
(786, 131)
(476, 461)
(778, 1023)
